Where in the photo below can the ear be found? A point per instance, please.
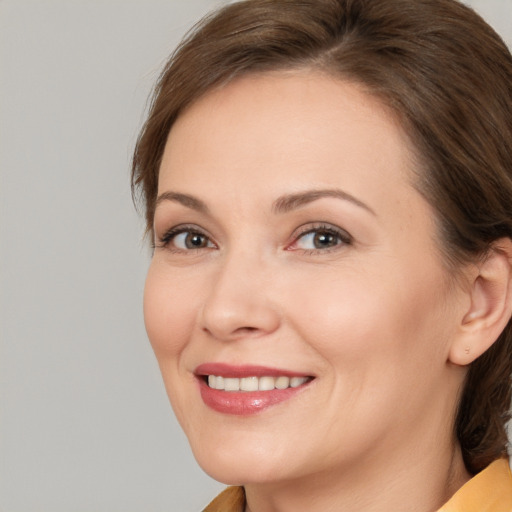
(490, 305)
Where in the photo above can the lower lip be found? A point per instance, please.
(244, 403)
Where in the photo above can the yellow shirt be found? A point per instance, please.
(489, 491)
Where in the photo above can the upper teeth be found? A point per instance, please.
(254, 383)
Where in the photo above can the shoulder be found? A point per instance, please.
(488, 491)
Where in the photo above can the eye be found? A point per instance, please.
(321, 238)
(185, 239)
(191, 240)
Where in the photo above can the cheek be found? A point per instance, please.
(364, 319)
(381, 340)
(170, 307)
(168, 312)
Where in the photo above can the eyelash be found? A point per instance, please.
(171, 234)
(343, 238)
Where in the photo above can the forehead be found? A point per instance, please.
(291, 130)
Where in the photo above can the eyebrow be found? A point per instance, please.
(290, 202)
(281, 205)
(188, 201)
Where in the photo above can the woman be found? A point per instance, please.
(328, 186)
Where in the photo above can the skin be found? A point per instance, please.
(373, 319)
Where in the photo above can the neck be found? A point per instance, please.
(418, 480)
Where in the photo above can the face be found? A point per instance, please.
(295, 259)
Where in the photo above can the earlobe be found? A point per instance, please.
(490, 305)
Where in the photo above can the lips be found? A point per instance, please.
(246, 390)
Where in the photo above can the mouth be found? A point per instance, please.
(246, 390)
(253, 383)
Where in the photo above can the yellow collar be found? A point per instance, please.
(489, 491)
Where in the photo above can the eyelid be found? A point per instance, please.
(306, 229)
(165, 239)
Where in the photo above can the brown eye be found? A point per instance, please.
(323, 239)
(186, 240)
(194, 241)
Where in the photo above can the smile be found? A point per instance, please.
(247, 390)
(247, 384)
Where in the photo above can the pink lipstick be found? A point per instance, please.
(245, 390)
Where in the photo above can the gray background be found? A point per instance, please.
(84, 420)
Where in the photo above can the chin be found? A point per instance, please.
(233, 463)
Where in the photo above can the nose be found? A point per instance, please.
(239, 303)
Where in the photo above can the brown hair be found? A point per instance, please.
(448, 77)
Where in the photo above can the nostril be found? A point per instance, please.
(236, 333)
